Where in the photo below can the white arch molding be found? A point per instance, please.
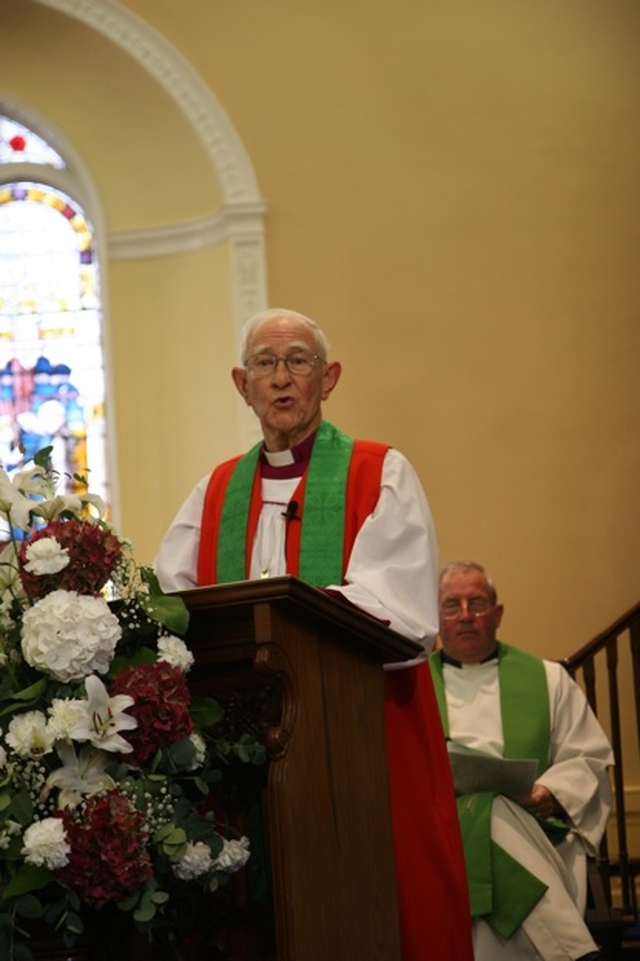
(240, 221)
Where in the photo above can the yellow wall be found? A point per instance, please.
(453, 195)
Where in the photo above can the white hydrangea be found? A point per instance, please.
(234, 855)
(176, 652)
(28, 735)
(69, 635)
(46, 556)
(195, 861)
(46, 845)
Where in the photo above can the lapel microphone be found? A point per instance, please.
(291, 511)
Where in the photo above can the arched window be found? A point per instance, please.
(52, 377)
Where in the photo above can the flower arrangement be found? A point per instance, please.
(106, 761)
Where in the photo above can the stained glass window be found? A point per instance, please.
(18, 144)
(52, 380)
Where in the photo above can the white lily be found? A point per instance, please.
(73, 503)
(80, 775)
(35, 481)
(14, 505)
(102, 717)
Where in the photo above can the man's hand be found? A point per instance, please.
(541, 803)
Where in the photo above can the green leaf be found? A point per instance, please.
(74, 900)
(28, 906)
(21, 952)
(145, 914)
(73, 922)
(170, 611)
(163, 832)
(144, 656)
(202, 785)
(130, 903)
(22, 807)
(181, 753)
(27, 878)
(43, 458)
(150, 578)
(178, 836)
(205, 711)
(25, 697)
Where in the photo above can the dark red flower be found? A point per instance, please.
(93, 554)
(109, 860)
(161, 706)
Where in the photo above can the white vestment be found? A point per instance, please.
(393, 568)
(579, 755)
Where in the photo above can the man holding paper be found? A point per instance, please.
(526, 856)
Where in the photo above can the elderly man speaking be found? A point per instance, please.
(362, 531)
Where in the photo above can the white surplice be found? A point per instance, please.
(393, 568)
(579, 755)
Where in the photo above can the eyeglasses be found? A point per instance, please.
(474, 607)
(300, 362)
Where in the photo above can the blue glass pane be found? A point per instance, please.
(52, 383)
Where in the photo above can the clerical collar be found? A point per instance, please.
(283, 464)
(446, 659)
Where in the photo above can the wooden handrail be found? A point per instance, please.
(582, 665)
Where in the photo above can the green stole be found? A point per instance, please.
(502, 890)
(323, 516)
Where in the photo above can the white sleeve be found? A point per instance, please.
(176, 563)
(393, 569)
(580, 756)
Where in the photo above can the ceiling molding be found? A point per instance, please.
(231, 222)
(180, 80)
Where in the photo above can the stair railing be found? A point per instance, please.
(582, 666)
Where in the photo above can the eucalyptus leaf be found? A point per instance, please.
(202, 785)
(130, 903)
(145, 914)
(181, 753)
(21, 952)
(177, 836)
(73, 922)
(28, 906)
(163, 832)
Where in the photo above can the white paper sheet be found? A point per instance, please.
(476, 771)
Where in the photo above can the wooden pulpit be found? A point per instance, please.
(314, 664)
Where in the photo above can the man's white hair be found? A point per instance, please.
(250, 325)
